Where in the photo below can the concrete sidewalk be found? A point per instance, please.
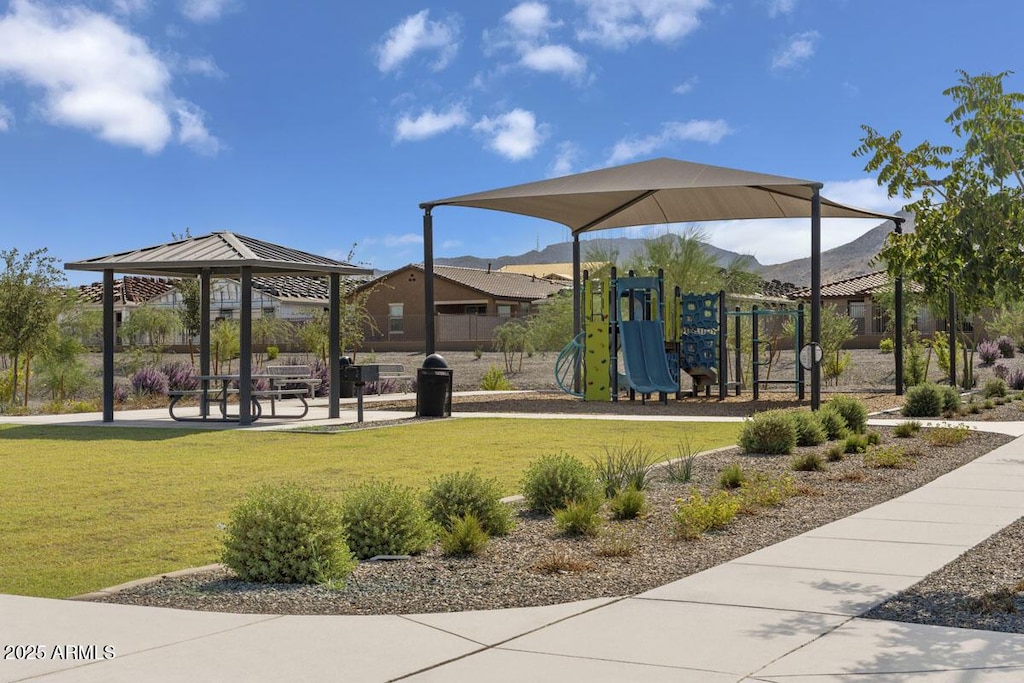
(786, 613)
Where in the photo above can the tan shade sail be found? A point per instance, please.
(654, 192)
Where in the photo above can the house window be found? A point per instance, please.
(504, 310)
(858, 312)
(396, 318)
(475, 309)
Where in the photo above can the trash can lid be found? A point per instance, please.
(345, 360)
(434, 361)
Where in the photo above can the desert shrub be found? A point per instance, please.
(458, 494)
(1015, 379)
(732, 477)
(946, 436)
(854, 412)
(914, 365)
(628, 503)
(994, 387)
(950, 398)
(273, 352)
(615, 545)
(321, 371)
(1001, 370)
(579, 517)
(886, 345)
(494, 380)
(286, 534)
(855, 443)
(924, 400)
(463, 535)
(762, 490)
(988, 404)
(874, 438)
(888, 457)
(771, 432)
(905, 430)
(808, 462)
(180, 375)
(623, 467)
(551, 481)
(122, 393)
(694, 516)
(149, 381)
(988, 352)
(1006, 346)
(835, 452)
(384, 518)
(833, 423)
(809, 430)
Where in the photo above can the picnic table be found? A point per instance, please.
(292, 383)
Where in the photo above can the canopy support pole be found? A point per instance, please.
(245, 351)
(816, 294)
(204, 335)
(577, 292)
(428, 279)
(333, 406)
(108, 345)
(951, 330)
(898, 299)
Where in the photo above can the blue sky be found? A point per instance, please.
(320, 125)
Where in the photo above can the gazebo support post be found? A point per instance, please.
(898, 302)
(333, 408)
(428, 279)
(204, 336)
(816, 293)
(951, 330)
(577, 293)
(245, 350)
(108, 345)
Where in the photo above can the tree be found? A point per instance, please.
(189, 310)
(550, 328)
(689, 265)
(30, 298)
(968, 208)
(149, 323)
(225, 336)
(269, 329)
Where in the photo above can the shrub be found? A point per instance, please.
(888, 457)
(924, 400)
(854, 412)
(458, 494)
(874, 438)
(696, 515)
(989, 404)
(180, 375)
(1006, 346)
(624, 467)
(809, 430)
(478, 353)
(886, 345)
(946, 436)
(121, 393)
(833, 423)
(321, 371)
(994, 387)
(149, 381)
(771, 432)
(762, 490)
(495, 380)
(855, 443)
(808, 462)
(732, 477)
(680, 468)
(905, 430)
(273, 352)
(463, 536)
(384, 518)
(628, 503)
(988, 352)
(1000, 370)
(950, 398)
(551, 481)
(579, 517)
(835, 452)
(615, 545)
(286, 534)
(1015, 379)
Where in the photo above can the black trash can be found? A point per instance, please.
(346, 387)
(434, 388)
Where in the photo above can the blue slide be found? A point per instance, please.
(643, 348)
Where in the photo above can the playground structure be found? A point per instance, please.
(661, 339)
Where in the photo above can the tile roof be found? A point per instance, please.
(127, 290)
(860, 285)
(501, 285)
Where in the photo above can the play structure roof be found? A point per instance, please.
(654, 192)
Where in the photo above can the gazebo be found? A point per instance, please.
(220, 254)
(656, 192)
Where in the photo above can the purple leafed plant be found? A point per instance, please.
(1006, 346)
(1015, 379)
(319, 370)
(121, 394)
(149, 380)
(1001, 371)
(180, 375)
(988, 352)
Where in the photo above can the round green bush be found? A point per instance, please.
(286, 534)
(833, 423)
(771, 432)
(923, 400)
(809, 430)
(384, 518)
(457, 494)
(853, 411)
(950, 398)
(994, 386)
(553, 481)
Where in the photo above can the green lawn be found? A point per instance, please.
(82, 508)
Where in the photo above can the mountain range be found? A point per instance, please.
(845, 261)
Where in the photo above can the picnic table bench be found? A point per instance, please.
(284, 381)
(288, 381)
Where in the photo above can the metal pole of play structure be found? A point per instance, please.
(723, 347)
(755, 350)
(898, 346)
(739, 356)
(801, 374)
(613, 336)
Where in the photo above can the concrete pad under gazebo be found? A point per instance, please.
(220, 254)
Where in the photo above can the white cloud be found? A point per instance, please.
(6, 119)
(779, 7)
(530, 19)
(559, 59)
(96, 75)
(565, 159)
(514, 135)
(430, 123)
(416, 33)
(450, 244)
(798, 50)
(617, 23)
(392, 240)
(130, 6)
(204, 66)
(686, 86)
(696, 130)
(203, 11)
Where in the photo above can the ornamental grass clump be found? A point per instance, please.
(924, 400)
(494, 380)
(580, 517)
(552, 481)
(623, 467)
(457, 494)
(808, 462)
(854, 412)
(888, 457)
(906, 430)
(833, 423)
(680, 468)
(287, 534)
(463, 536)
(732, 477)
(628, 503)
(697, 514)
(771, 432)
(385, 518)
(809, 430)
(993, 387)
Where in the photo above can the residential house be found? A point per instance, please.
(469, 304)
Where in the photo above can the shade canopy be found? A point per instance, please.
(655, 192)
